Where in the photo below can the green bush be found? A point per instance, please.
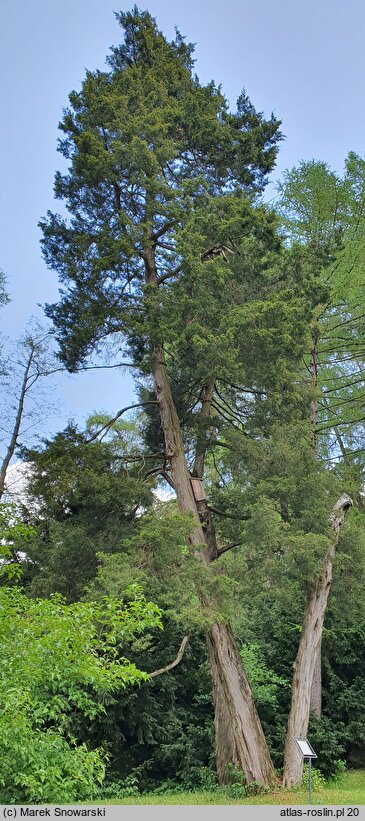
(59, 664)
(328, 740)
(128, 788)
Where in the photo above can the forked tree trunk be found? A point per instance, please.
(240, 740)
(309, 646)
(239, 736)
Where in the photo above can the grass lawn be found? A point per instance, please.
(348, 789)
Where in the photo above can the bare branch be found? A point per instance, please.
(62, 369)
(18, 419)
(173, 663)
(138, 457)
(166, 245)
(160, 471)
(117, 416)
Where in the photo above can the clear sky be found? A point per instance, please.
(302, 59)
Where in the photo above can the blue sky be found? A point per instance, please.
(302, 59)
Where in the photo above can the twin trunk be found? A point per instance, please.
(239, 737)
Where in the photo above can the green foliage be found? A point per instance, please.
(317, 779)
(59, 664)
(42, 767)
(264, 682)
(147, 145)
(164, 730)
(82, 500)
(328, 740)
(12, 532)
(313, 204)
(324, 213)
(157, 556)
(346, 790)
(120, 789)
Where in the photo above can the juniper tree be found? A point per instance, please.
(166, 245)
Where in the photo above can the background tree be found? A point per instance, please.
(322, 214)
(4, 299)
(83, 498)
(323, 218)
(25, 366)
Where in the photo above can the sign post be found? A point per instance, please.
(307, 752)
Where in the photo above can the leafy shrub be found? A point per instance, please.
(328, 740)
(59, 664)
(200, 778)
(43, 767)
(318, 780)
(128, 788)
(170, 786)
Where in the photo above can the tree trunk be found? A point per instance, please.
(240, 740)
(17, 423)
(201, 445)
(315, 706)
(313, 368)
(309, 648)
(316, 688)
(174, 450)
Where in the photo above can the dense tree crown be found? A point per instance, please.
(158, 161)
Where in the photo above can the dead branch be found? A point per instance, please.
(160, 471)
(63, 369)
(173, 663)
(109, 424)
(169, 275)
(18, 419)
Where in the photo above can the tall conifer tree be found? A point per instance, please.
(166, 246)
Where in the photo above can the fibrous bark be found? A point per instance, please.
(315, 706)
(309, 647)
(240, 740)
